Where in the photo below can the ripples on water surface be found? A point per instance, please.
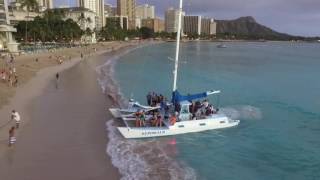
(273, 88)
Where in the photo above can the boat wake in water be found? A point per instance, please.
(242, 112)
(139, 159)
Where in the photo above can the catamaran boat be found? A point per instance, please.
(178, 109)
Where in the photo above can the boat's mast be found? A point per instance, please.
(175, 72)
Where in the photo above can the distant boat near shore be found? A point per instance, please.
(221, 46)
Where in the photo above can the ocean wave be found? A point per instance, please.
(107, 82)
(129, 164)
(145, 159)
(242, 112)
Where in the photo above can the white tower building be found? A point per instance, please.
(96, 6)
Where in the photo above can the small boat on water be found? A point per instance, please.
(183, 114)
(221, 46)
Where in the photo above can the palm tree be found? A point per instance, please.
(89, 20)
(81, 20)
(30, 5)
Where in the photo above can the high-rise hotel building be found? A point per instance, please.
(96, 6)
(45, 4)
(172, 20)
(7, 42)
(192, 25)
(127, 8)
(208, 26)
(145, 11)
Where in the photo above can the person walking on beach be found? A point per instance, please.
(15, 82)
(11, 59)
(57, 79)
(57, 76)
(16, 117)
(12, 138)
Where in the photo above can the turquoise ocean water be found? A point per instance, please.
(273, 88)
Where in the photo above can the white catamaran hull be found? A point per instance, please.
(115, 112)
(178, 128)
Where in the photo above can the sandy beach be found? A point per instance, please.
(62, 136)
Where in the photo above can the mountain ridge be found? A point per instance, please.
(248, 28)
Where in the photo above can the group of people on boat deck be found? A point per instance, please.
(154, 121)
(198, 109)
(154, 99)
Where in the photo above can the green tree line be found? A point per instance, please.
(53, 26)
(50, 27)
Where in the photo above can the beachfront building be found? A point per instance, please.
(145, 11)
(7, 41)
(208, 26)
(45, 4)
(97, 6)
(171, 20)
(17, 13)
(127, 8)
(121, 21)
(110, 10)
(86, 19)
(192, 25)
(156, 24)
(16, 7)
(138, 22)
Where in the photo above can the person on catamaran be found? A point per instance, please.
(159, 121)
(205, 103)
(149, 98)
(153, 120)
(166, 111)
(177, 107)
(192, 110)
(142, 119)
(173, 119)
(138, 114)
(155, 99)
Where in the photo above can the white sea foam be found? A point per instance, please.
(129, 164)
(242, 112)
(145, 159)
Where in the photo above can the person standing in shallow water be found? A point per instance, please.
(12, 138)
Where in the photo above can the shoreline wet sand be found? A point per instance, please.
(66, 136)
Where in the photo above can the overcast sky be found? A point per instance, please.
(297, 17)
